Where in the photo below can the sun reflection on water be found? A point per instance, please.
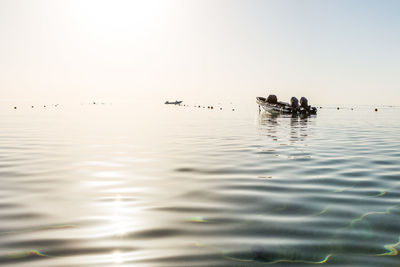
(118, 221)
(117, 257)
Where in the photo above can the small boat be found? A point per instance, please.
(173, 103)
(273, 106)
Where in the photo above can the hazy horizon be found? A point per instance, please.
(97, 171)
(333, 52)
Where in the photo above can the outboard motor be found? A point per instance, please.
(272, 99)
(304, 102)
(313, 111)
(294, 102)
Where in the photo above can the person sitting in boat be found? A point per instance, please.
(272, 99)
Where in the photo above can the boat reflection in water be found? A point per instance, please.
(273, 123)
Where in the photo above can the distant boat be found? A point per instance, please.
(273, 106)
(173, 103)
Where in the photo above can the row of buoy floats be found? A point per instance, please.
(196, 106)
(211, 107)
(54, 105)
(338, 108)
(208, 107)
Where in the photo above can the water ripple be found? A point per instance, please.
(184, 187)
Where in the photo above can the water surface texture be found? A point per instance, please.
(160, 185)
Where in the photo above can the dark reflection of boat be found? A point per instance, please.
(269, 123)
(298, 128)
(173, 103)
(273, 106)
(274, 124)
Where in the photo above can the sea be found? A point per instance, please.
(198, 184)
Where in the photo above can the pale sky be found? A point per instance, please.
(331, 51)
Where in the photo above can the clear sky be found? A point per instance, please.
(331, 51)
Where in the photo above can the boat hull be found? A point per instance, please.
(283, 108)
(173, 103)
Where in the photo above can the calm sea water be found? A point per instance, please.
(159, 185)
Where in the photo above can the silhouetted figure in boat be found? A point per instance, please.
(272, 99)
